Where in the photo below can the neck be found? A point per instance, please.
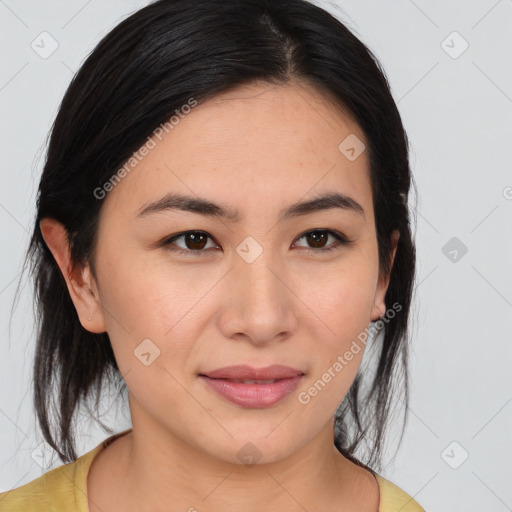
(189, 479)
(153, 469)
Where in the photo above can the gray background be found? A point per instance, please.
(457, 110)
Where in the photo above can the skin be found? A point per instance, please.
(273, 145)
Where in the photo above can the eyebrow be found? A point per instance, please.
(174, 201)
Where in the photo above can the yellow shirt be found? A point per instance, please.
(64, 489)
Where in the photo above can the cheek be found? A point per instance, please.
(146, 316)
(334, 366)
(148, 296)
(340, 295)
(338, 307)
(142, 302)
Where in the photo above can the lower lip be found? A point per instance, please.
(254, 395)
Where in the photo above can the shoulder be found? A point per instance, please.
(63, 489)
(394, 499)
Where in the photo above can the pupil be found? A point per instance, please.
(317, 234)
(195, 237)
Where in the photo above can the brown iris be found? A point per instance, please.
(314, 238)
(197, 240)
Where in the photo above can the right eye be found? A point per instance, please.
(195, 242)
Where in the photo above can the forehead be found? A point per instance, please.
(257, 142)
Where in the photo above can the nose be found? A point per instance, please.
(260, 308)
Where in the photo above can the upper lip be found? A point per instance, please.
(245, 372)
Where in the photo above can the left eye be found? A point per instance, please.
(318, 236)
(196, 241)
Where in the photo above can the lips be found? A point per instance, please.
(248, 373)
(253, 387)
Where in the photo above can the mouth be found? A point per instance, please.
(271, 381)
(252, 387)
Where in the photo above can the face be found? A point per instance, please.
(184, 293)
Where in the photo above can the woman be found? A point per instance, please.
(222, 227)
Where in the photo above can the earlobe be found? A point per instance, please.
(78, 280)
(379, 305)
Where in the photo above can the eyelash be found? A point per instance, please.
(340, 239)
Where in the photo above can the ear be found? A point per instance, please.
(379, 306)
(79, 281)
